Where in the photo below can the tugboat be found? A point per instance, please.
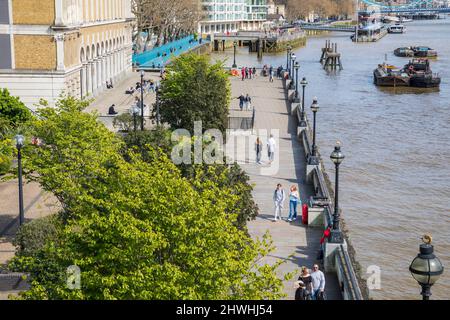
(420, 74)
(390, 76)
(404, 52)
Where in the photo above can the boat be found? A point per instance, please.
(396, 28)
(421, 75)
(424, 52)
(419, 52)
(389, 76)
(404, 52)
(388, 19)
(370, 33)
(405, 20)
(416, 73)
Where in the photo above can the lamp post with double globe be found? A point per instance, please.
(234, 56)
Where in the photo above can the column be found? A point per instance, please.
(104, 70)
(94, 76)
(89, 78)
(83, 80)
(59, 13)
(99, 73)
(59, 38)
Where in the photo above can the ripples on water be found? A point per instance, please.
(396, 176)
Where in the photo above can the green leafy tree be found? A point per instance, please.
(13, 116)
(194, 90)
(136, 229)
(12, 110)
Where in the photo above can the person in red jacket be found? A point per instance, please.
(326, 235)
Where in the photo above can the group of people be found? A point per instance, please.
(248, 73)
(271, 145)
(269, 71)
(279, 197)
(310, 284)
(245, 102)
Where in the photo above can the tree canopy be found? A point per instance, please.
(136, 229)
(195, 90)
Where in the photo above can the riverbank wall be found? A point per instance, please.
(337, 257)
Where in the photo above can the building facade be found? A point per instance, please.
(54, 47)
(220, 16)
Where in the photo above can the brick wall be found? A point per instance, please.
(35, 52)
(34, 12)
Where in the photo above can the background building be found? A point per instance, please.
(221, 16)
(50, 47)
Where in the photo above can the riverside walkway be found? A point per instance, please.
(296, 244)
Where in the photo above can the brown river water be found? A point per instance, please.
(395, 179)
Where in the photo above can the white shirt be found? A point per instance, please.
(271, 144)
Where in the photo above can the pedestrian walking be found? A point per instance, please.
(254, 72)
(241, 101)
(271, 145)
(318, 283)
(258, 148)
(304, 283)
(248, 102)
(246, 73)
(271, 74)
(250, 72)
(294, 198)
(243, 73)
(278, 199)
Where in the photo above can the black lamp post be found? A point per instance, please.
(135, 111)
(337, 157)
(296, 66)
(314, 109)
(142, 99)
(289, 48)
(426, 268)
(304, 83)
(234, 63)
(157, 107)
(20, 141)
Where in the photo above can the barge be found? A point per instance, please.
(416, 73)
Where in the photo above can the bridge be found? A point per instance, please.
(415, 6)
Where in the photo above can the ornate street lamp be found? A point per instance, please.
(142, 99)
(20, 142)
(426, 268)
(304, 83)
(296, 66)
(289, 48)
(234, 45)
(337, 157)
(314, 109)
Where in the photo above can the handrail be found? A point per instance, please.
(349, 276)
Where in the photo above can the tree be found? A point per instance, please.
(195, 90)
(136, 229)
(12, 110)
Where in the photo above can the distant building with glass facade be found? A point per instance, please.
(232, 15)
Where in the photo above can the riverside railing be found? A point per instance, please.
(343, 266)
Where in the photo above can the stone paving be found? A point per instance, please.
(295, 243)
(123, 102)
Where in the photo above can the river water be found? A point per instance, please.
(395, 179)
